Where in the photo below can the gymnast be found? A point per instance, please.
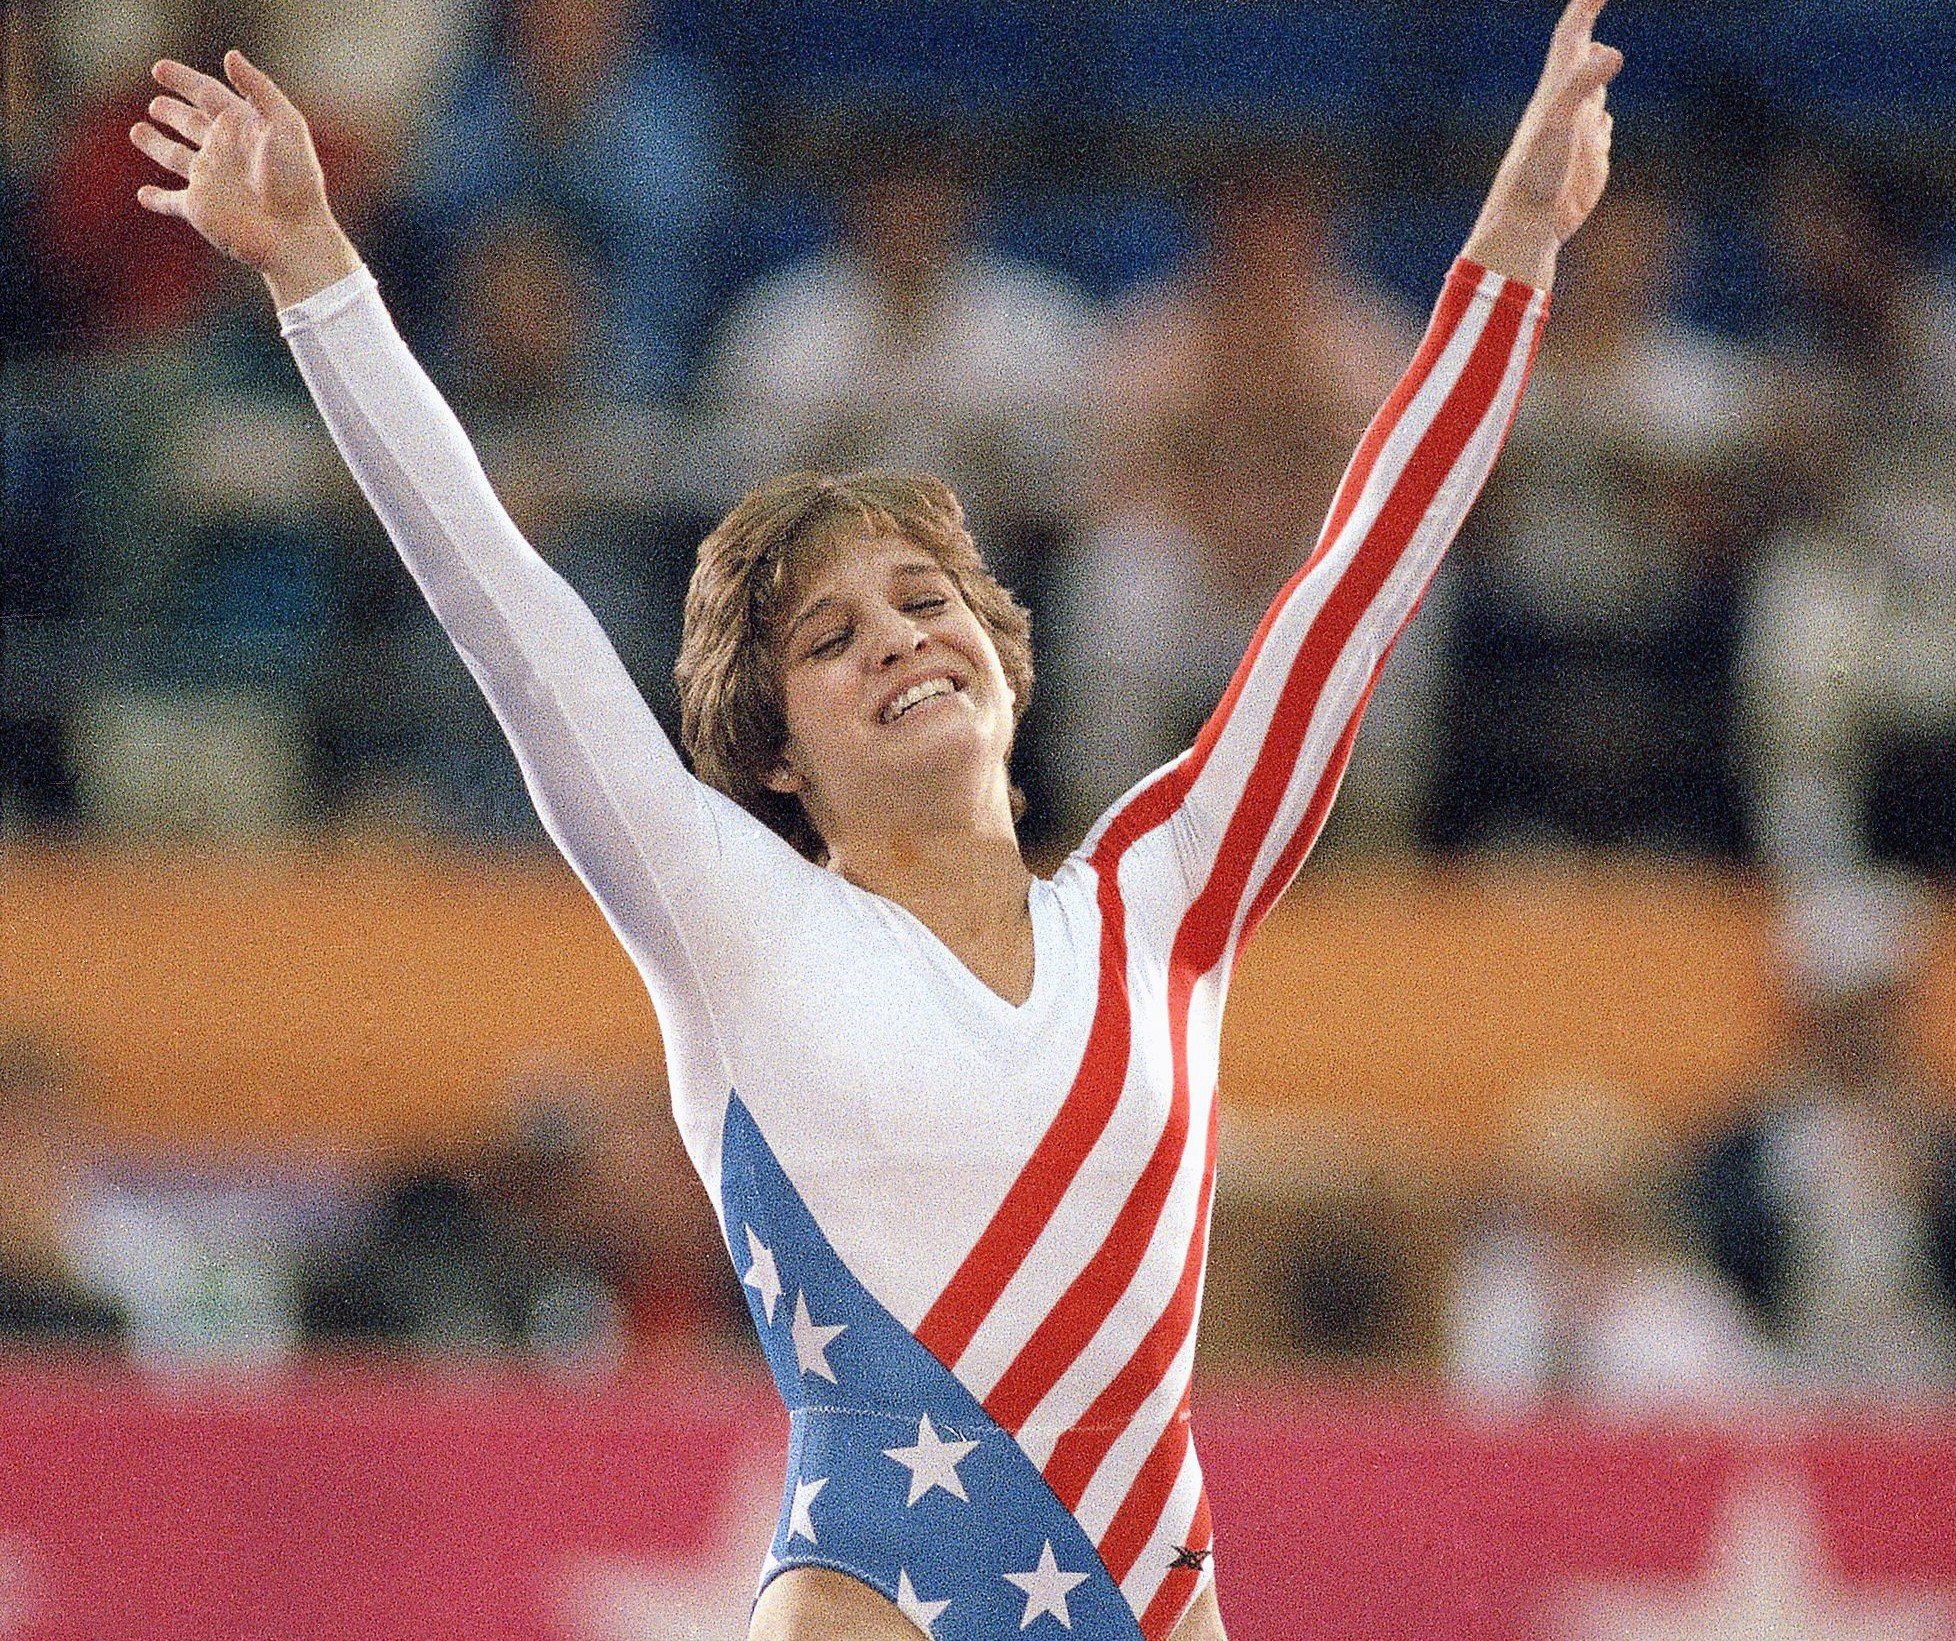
(957, 1120)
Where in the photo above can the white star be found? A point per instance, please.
(761, 1275)
(1766, 1579)
(921, 1613)
(1045, 1587)
(932, 1462)
(812, 1343)
(799, 1523)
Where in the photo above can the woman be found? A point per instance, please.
(958, 1121)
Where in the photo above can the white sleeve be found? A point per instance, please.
(652, 844)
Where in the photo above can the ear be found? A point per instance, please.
(785, 779)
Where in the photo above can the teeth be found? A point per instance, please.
(917, 692)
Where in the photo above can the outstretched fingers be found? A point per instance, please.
(213, 96)
(1578, 20)
(1602, 65)
(165, 202)
(188, 122)
(171, 155)
(1579, 65)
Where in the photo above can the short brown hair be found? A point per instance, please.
(730, 714)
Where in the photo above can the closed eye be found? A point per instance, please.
(926, 606)
(834, 644)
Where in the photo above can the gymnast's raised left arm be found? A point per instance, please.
(1253, 793)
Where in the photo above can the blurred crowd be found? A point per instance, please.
(1702, 609)
(1698, 611)
(570, 1230)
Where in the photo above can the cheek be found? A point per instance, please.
(995, 665)
(811, 702)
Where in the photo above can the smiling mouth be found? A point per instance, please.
(917, 694)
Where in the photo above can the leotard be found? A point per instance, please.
(971, 1234)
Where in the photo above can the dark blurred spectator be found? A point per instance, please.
(906, 344)
(229, 557)
(1872, 320)
(1575, 1282)
(1829, 1200)
(1849, 681)
(42, 471)
(568, 1236)
(124, 276)
(1324, 1246)
(569, 108)
(652, 1232)
(41, 546)
(44, 1296)
(1230, 401)
(462, 1257)
(1592, 606)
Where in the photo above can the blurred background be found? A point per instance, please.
(1588, 1106)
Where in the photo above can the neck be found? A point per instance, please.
(961, 883)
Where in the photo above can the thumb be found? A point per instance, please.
(1570, 87)
(1603, 65)
(257, 87)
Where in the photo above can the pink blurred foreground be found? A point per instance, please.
(504, 1506)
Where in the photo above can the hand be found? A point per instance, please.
(1559, 159)
(253, 186)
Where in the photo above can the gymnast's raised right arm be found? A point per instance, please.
(608, 784)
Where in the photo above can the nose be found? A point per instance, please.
(901, 639)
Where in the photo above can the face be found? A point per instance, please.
(892, 691)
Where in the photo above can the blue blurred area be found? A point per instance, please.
(1886, 67)
(571, 268)
(1431, 85)
(1321, 65)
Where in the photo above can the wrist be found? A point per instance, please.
(311, 257)
(1515, 251)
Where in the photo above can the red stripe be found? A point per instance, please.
(1292, 859)
(1455, 300)
(1433, 459)
(1456, 297)
(1205, 930)
(1091, 1297)
(949, 1325)
(1172, 1599)
(1078, 1453)
(1134, 1524)
(1307, 832)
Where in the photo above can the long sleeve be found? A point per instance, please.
(636, 826)
(1247, 801)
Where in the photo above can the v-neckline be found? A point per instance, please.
(939, 952)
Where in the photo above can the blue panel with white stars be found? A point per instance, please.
(895, 1474)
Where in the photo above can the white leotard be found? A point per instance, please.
(972, 1234)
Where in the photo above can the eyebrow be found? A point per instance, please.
(914, 569)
